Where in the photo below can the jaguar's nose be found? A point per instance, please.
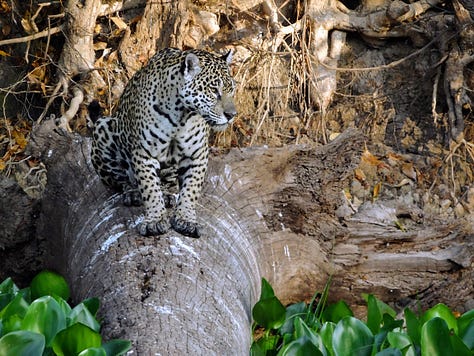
(230, 113)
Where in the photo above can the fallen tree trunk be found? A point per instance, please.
(265, 212)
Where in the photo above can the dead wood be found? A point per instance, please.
(265, 213)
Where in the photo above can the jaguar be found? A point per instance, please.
(157, 139)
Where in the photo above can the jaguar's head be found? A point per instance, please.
(208, 87)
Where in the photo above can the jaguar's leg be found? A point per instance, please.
(193, 151)
(147, 173)
(111, 162)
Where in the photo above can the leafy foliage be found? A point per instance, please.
(332, 330)
(39, 321)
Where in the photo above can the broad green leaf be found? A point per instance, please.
(267, 290)
(17, 306)
(26, 293)
(93, 351)
(65, 307)
(256, 350)
(49, 283)
(467, 335)
(22, 343)
(459, 347)
(92, 304)
(435, 338)
(269, 313)
(443, 312)
(326, 332)
(382, 307)
(267, 343)
(80, 314)
(75, 339)
(374, 316)
(352, 338)
(389, 323)
(302, 330)
(46, 317)
(293, 310)
(10, 324)
(7, 286)
(389, 352)
(300, 347)
(337, 311)
(117, 347)
(5, 298)
(466, 328)
(399, 340)
(413, 326)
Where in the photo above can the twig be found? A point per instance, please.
(32, 37)
(73, 108)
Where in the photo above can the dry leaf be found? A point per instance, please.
(359, 175)
(376, 191)
(369, 158)
(409, 170)
(20, 139)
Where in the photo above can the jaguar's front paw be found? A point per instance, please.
(132, 197)
(185, 228)
(153, 228)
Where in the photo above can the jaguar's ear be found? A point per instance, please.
(228, 56)
(190, 67)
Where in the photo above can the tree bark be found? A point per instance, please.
(265, 213)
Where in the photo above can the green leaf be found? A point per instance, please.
(269, 313)
(389, 323)
(65, 307)
(92, 304)
(443, 312)
(80, 314)
(352, 338)
(117, 347)
(459, 347)
(267, 344)
(300, 347)
(302, 330)
(337, 311)
(267, 290)
(45, 316)
(435, 338)
(466, 328)
(382, 307)
(5, 298)
(374, 316)
(467, 335)
(75, 339)
(7, 286)
(22, 343)
(399, 340)
(389, 352)
(49, 283)
(413, 326)
(13, 323)
(93, 351)
(326, 332)
(293, 310)
(17, 306)
(256, 350)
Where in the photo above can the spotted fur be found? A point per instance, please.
(160, 132)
